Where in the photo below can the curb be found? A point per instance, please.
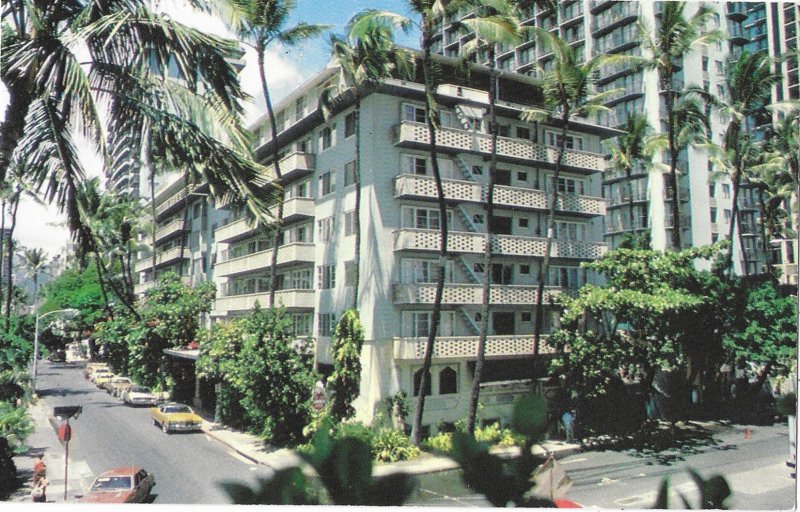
(208, 431)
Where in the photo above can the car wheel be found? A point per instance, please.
(165, 428)
(155, 424)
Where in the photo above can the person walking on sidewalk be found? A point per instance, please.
(39, 492)
(39, 469)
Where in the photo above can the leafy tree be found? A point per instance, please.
(270, 372)
(665, 48)
(264, 23)
(345, 380)
(768, 328)
(35, 260)
(77, 289)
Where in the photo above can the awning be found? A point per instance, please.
(467, 111)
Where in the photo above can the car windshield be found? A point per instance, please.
(112, 483)
(121, 381)
(139, 389)
(174, 409)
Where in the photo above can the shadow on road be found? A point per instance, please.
(63, 392)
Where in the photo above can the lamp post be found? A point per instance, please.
(69, 312)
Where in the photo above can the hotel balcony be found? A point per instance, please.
(170, 230)
(416, 186)
(464, 293)
(293, 209)
(171, 204)
(295, 165)
(409, 134)
(140, 288)
(165, 258)
(290, 253)
(466, 347)
(290, 299)
(737, 11)
(503, 245)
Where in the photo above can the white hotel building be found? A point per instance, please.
(400, 237)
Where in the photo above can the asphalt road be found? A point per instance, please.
(754, 467)
(108, 434)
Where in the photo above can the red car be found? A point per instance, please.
(121, 485)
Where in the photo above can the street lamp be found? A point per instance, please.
(69, 312)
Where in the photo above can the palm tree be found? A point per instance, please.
(430, 13)
(568, 90)
(675, 36)
(630, 151)
(496, 23)
(748, 84)
(264, 23)
(194, 122)
(785, 139)
(364, 59)
(35, 260)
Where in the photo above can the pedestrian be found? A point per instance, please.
(568, 420)
(39, 469)
(39, 492)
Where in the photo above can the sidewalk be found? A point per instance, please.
(253, 449)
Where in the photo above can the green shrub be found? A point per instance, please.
(496, 436)
(390, 445)
(355, 430)
(440, 443)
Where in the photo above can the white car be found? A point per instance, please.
(139, 395)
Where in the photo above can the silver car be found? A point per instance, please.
(139, 395)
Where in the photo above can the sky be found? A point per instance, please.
(287, 68)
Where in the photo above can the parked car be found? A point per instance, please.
(100, 377)
(177, 417)
(139, 395)
(116, 385)
(121, 485)
(92, 367)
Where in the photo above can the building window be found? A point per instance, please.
(327, 183)
(525, 269)
(350, 173)
(350, 124)
(526, 317)
(422, 218)
(569, 185)
(727, 216)
(523, 132)
(503, 130)
(705, 63)
(327, 323)
(326, 138)
(712, 190)
(419, 323)
(477, 170)
(714, 237)
(301, 324)
(300, 279)
(713, 215)
(326, 277)
(572, 231)
(564, 277)
(325, 229)
(349, 273)
(350, 223)
(413, 113)
(418, 383)
(523, 222)
(477, 218)
(522, 176)
(720, 67)
(423, 271)
(726, 191)
(448, 381)
(300, 108)
(415, 165)
(573, 142)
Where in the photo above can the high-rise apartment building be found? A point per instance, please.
(593, 27)
(400, 234)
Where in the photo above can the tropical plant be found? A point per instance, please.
(629, 152)
(35, 260)
(192, 122)
(714, 492)
(430, 13)
(495, 23)
(748, 88)
(345, 380)
(264, 22)
(568, 90)
(665, 47)
(364, 57)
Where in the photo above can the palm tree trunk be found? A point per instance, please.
(734, 217)
(186, 189)
(148, 163)
(273, 285)
(430, 111)
(103, 291)
(740, 236)
(11, 130)
(544, 269)
(357, 209)
(2, 238)
(10, 262)
(673, 167)
(472, 409)
(631, 217)
(764, 239)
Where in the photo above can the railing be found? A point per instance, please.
(464, 293)
(292, 299)
(466, 347)
(616, 13)
(235, 228)
(169, 203)
(295, 252)
(506, 147)
(169, 229)
(625, 198)
(467, 191)
(506, 245)
(162, 258)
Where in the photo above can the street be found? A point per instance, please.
(755, 469)
(109, 434)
